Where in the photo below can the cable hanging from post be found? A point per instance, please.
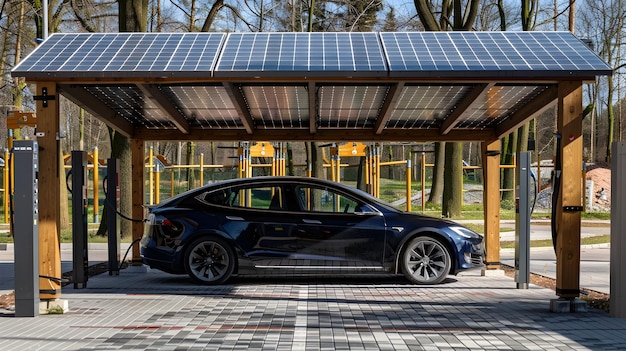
(108, 201)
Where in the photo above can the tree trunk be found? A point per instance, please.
(611, 119)
(453, 181)
(436, 189)
(191, 174)
(133, 15)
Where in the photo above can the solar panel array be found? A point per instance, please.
(414, 54)
(320, 54)
(425, 54)
(211, 79)
(126, 54)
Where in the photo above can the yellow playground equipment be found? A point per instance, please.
(372, 166)
(277, 152)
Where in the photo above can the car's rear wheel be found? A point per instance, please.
(425, 261)
(209, 261)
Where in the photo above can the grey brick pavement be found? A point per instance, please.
(158, 311)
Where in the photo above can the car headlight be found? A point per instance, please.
(464, 232)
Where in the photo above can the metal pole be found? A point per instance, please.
(113, 202)
(96, 185)
(408, 185)
(80, 253)
(151, 175)
(6, 185)
(45, 19)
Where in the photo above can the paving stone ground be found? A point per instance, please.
(158, 311)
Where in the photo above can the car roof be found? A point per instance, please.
(269, 179)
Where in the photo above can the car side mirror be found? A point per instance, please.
(366, 211)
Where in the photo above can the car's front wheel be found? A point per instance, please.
(425, 260)
(209, 261)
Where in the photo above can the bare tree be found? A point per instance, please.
(453, 15)
(606, 21)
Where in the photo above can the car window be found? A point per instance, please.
(261, 197)
(219, 197)
(315, 199)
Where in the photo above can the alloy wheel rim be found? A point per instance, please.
(426, 261)
(209, 261)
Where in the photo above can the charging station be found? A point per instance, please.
(522, 223)
(113, 205)
(618, 230)
(80, 253)
(26, 228)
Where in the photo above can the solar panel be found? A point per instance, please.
(278, 106)
(123, 55)
(425, 106)
(206, 106)
(301, 54)
(356, 106)
(490, 54)
(130, 104)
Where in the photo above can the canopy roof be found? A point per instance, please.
(417, 86)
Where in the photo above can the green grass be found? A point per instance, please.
(600, 239)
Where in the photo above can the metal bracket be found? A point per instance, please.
(492, 153)
(572, 208)
(44, 97)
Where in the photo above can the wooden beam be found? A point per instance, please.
(334, 135)
(240, 105)
(97, 108)
(50, 174)
(388, 105)
(569, 203)
(312, 108)
(491, 202)
(537, 106)
(137, 194)
(157, 96)
(461, 110)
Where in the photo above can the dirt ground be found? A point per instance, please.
(594, 299)
(600, 174)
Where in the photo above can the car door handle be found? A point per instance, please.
(311, 221)
(234, 218)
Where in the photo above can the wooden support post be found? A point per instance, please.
(138, 152)
(569, 126)
(491, 202)
(49, 191)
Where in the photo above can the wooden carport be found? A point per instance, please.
(420, 87)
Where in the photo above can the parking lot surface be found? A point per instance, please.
(157, 311)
